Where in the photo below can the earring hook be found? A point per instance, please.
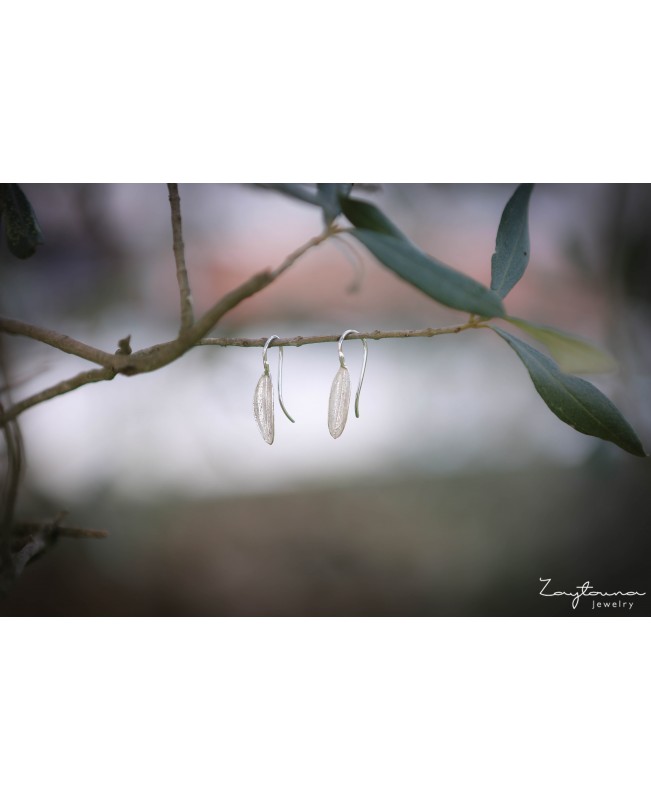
(265, 363)
(342, 362)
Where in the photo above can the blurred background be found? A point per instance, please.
(454, 492)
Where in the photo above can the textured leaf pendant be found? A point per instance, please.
(339, 402)
(263, 407)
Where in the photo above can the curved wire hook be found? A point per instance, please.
(265, 363)
(343, 364)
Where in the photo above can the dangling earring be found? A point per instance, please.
(340, 391)
(263, 397)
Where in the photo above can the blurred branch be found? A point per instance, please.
(297, 190)
(293, 257)
(92, 376)
(151, 358)
(58, 340)
(298, 341)
(187, 315)
(300, 191)
(154, 358)
(22, 530)
(31, 539)
(14, 453)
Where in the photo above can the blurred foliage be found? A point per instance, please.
(18, 218)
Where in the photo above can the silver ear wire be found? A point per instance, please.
(362, 373)
(265, 363)
(263, 397)
(340, 392)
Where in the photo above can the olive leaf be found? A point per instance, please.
(393, 249)
(511, 254)
(369, 217)
(571, 353)
(576, 402)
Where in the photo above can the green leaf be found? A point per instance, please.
(449, 287)
(511, 254)
(392, 248)
(296, 190)
(369, 217)
(328, 196)
(575, 401)
(571, 353)
(21, 226)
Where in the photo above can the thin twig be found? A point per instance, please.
(159, 355)
(31, 539)
(24, 529)
(352, 256)
(298, 341)
(292, 258)
(151, 358)
(12, 477)
(187, 314)
(59, 340)
(15, 453)
(92, 376)
(292, 190)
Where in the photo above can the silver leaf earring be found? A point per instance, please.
(340, 391)
(263, 397)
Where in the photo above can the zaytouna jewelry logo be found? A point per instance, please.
(607, 600)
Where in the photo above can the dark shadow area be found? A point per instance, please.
(467, 545)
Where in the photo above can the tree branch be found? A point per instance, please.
(93, 376)
(298, 341)
(58, 340)
(332, 230)
(12, 472)
(32, 539)
(187, 314)
(25, 529)
(150, 358)
(153, 358)
(159, 355)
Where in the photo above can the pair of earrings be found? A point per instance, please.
(339, 402)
